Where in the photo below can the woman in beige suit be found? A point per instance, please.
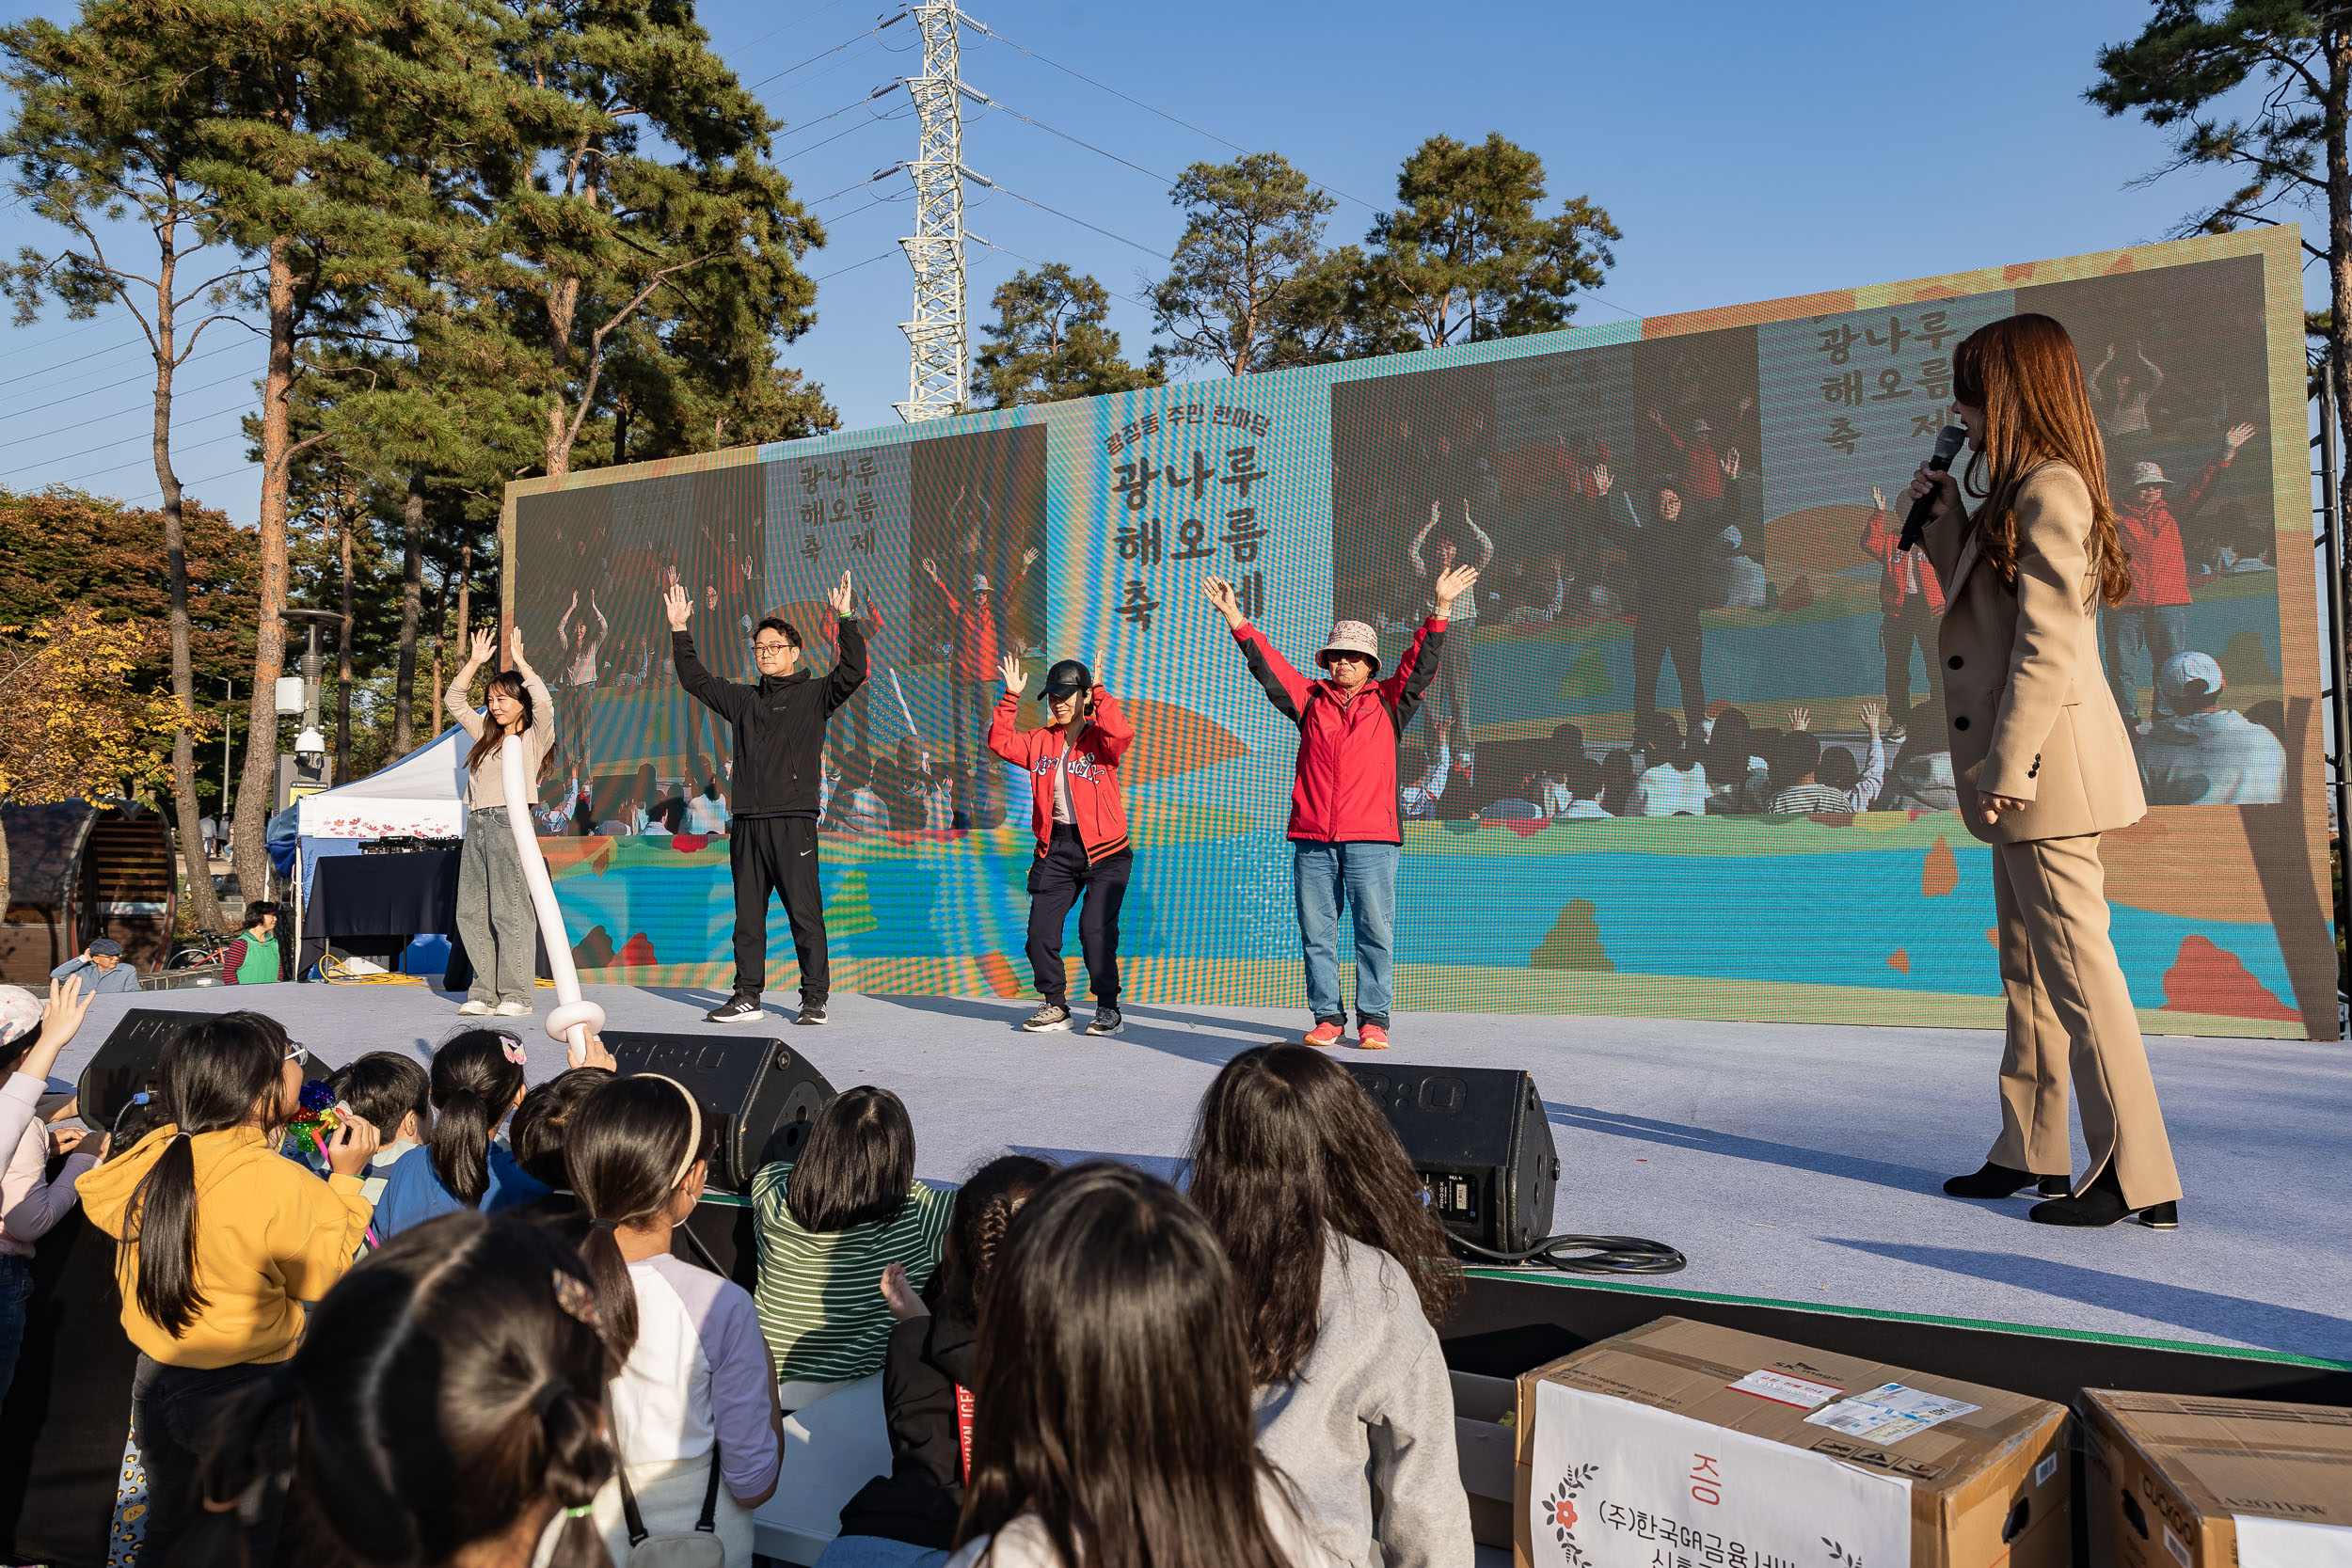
(2045, 766)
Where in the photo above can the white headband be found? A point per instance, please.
(694, 1127)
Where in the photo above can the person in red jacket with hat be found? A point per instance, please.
(1344, 832)
(2152, 618)
(1910, 601)
(1081, 827)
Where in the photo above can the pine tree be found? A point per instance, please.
(1050, 341)
(1252, 286)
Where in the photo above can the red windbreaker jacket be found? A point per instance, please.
(1093, 771)
(1344, 784)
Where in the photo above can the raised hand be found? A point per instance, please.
(899, 1295)
(1221, 594)
(1877, 498)
(1028, 558)
(486, 644)
(930, 568)
(515, 646)
(1871, 715)
(844, 605)
(1800, 719)
(1015, 677)
(678, 605)
(2239, 435)
(1452, 586)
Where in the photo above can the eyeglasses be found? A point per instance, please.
(771, 650)
(297, 1053)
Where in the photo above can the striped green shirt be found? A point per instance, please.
(819, 1296)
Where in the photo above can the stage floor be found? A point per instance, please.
(1791, 1163)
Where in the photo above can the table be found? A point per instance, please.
(375, 904)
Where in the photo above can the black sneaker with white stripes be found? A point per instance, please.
(734, 1010)
(1106, 1022)
(1051, 1018)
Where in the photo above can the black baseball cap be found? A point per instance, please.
(1065, 677)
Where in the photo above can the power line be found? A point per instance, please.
(824, 52)
(997, 103)
(177, 391)
(102, 446)
(1147, 250)
(112, 468)
(794, 22)
(1035, 263)
(878, 120)
(886, 87)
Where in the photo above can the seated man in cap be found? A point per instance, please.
(100, 967)
(2154, 615)
(2206, 754)
(1344, 824)
(1081, 828)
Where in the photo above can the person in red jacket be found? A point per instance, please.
(1910, 601)
(1081, 827)
(2152, 618)
(1344, 836)
(980, 635)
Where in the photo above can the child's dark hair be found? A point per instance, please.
(258, 910)
(474, 1083)
(1290, 1148)
(1113, 1397)
(985, 1205)
(857, 1165)
(384, 1088)
(217, 1074)
(541, 1121)
(631, 1143)
(1838, 768)
(447, 1387)
(1800, 755)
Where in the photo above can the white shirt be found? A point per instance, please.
(697, 1373)
(1668, 791)
(705, 817)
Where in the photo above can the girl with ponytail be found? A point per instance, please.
(446, 1406)
(477, 1078)
(907, 1519)
(692, 1397)
(222, 1240)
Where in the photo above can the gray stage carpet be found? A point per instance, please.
(1790, 1162)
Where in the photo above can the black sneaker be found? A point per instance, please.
(735, 1010)
(812, 1012)
(1051, 1018)
(1106, 1021)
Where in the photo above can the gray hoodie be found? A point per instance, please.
(1372, 1406)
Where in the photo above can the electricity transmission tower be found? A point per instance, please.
(936, 337)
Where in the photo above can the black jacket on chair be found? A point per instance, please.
(779, 723)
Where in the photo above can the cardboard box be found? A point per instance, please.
(1723, 1450)
(2171, 1481)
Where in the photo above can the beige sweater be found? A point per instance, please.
(486, 786)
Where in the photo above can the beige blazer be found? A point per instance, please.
(2025, 698)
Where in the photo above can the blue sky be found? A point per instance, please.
(1747, 151)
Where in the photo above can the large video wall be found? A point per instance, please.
(1686, 755)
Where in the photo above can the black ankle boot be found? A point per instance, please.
(2102, 1204)
(2000, 1181)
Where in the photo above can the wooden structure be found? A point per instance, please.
(78, 871)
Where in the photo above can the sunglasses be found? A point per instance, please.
(297, 1053)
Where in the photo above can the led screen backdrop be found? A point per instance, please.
(1687, 605)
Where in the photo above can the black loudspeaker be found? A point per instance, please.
(758, 1096)
(1479, 1138)
(129, 1063)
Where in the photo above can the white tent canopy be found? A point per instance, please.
(423, 793)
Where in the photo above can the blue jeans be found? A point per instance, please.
(876, 1551)
(1361, 874)
(16, 1292)
(2160, 631)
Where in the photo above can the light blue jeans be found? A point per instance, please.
(1362, 875)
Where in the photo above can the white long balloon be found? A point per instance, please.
(573, 1020)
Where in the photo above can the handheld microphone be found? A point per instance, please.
(1948, 444)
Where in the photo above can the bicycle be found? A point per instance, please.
(207, 948)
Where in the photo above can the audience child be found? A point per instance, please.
(542, 1121)
(30, 1199)
(477, 1078)
(1111, 1424)
(221, 1241)
(20, 1090)
(692, 1398)
(445, 1408)
(907, 1519)
(392, 1092)
(1341, 1270)
(845, 1209)
(1581, 782)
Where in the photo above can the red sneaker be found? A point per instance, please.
(1321, 1034)
(1372, 1037)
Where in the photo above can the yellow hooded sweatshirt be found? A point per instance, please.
(269, 1236)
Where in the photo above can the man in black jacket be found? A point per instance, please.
(779, 761)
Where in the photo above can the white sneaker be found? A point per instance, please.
(513, 1009)
(475, 1010)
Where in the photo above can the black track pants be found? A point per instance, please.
(777, 854)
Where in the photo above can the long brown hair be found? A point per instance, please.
(1114, 1400)
(2023, 372)
(1288, 1150)
(629, 1150)
(486, 744)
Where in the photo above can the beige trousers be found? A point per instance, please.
(2070, 1017)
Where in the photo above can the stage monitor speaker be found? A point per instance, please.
(129, 1064)
(759, 1095)
(1478, 1136)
